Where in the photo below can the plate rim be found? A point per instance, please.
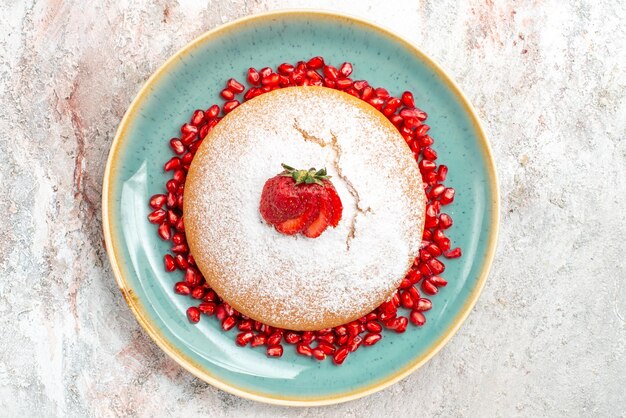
(190, 365)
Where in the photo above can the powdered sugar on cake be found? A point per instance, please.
(345, 272)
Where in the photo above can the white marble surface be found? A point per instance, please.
(548, 335)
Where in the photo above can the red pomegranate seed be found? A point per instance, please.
(455, 253)
(188, 138)
(259, 340)
(399, 324)
(177, 146)
(345, 69)
(438, 281)
(172, 218)
(212, 112)
(382, 93)
(229, 106)
(210, 296)
(193, 314)
(164, 231)
(207, 308)
(407, 99)
(445, 221)
(343, 83)
(442, 172)
(253, 77)
(423, 304)
(181, 262)
(417, 318)
(244, 338)
(245, 325)
(367, 93)
(377, 102)
(407, 300)
(374, 327)
(271, 80)
(229, 309)
(198, 292)
(285, 69)
(308, 337)
(180, 248)
(304, 349)
(172, 164)
(235, 86)
(188, 129)
(429, 288)
(340, 355)
(371, 339)
(275, 350)
(436, 191)
(170, 265)
(197, 118)
(429, 153)
(292, 337)
(315, 63)
(157, 217)
(447, 197)
(426, 165)
(436, 266)
(228, 323)
(353, 328)
(343, 339)
(227, 94)
(330, 72)
(359, 85)
(266, 71)
(341, 330)
(274, 339)
(319, 354)
(182, 288)
(192, 277)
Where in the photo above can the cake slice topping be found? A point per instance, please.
(300, 201)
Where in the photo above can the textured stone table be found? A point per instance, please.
(548, 335)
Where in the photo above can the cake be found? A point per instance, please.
(293, 281)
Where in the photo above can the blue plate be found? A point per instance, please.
(192, 79)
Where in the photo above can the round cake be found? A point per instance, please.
(293, 281)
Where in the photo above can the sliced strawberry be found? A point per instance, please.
(318, 226)
(335, 201)
(296, 225)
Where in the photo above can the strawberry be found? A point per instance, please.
(300, 201)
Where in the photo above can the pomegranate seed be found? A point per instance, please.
(229, 309)
(429, 154)
(438, 281)
(330, 72)
(436, 266)
(417, 318)
(371, 339)
(377, 102)
(244, 338)
(245, 325)
(426, 165)
(177, 146)
(253, 77)
(157, 217)
(266, 71)
(354, 329)
(359, 85)
(275, 350)
(374, 327)
(228, 323)
(182, 288)
(343, 83)
(328, 338)
(172, 218)
(407, 300)
(181, 262)
(292, 337)
(442, 172)
(433, 249)
(399, 324)
(413, 113)
(354, 343)
(235, 86)
(210, 296)
(274, 339)
(411, 123)
(445, 221)
(308, 337)
(259, 340)
(227, 94)
(447, 197)
(164, 231)
(423, 304)
(180, 248)
(230, 105)
(456, 253)
(198, 292)
(318, 354)
(172, 164)
(436, 191)
(188, 138)
(192, 277)
(197, 118)
(189, 129)
(340, 355)
(304, 349)
(170, 265)
(315, 63)
(429, 288)
(367, 94)
(407, 99)
(345, 69)
(207, 308)
(342, 340)
(341, 330)
(285, 69)
(193, 314)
